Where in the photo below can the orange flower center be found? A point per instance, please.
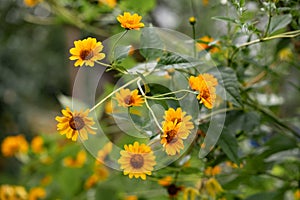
(170, 136)
(76, 123)
(86, 54)
(137, 161)
(129, 100)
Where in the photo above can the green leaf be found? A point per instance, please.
(279, 22)
(121, 52)
(225, 19)
(237, 121)
(140, 7)
(151, 44)
(170, 60)
(229, 145)
(275, 195)
(231, 85)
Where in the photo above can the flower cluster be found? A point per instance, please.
(13, 192)
(176, 127)
(13, 145)
(205, 84)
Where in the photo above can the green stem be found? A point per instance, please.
(114, 46)
(194, 41)
(269, 21)
(147, 105)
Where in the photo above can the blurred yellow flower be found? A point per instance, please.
(131, 197)
(213, 187)
(75, 123)
(86, 52)
(46, 180)
(137, 160)
(37, 144)
(129, 21)
(104, 152)
(190, 193)
(109, 3)
(212, 171)
(37, 193)
(13, 145)
(11, 192)
(77, 162)
(101, 173)
(297, 194)
(206, 43)
(165, 181)
(192, 20)
(127, 98)
(285, 54)
(31, 3)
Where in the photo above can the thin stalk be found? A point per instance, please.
(114, 46)
(147, 105)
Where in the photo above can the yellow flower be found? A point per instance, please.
(171, 115)
(192, 20)
(86, 52)
(109, 3)
(297, 194)
(46, 180)
(129, 21)
(213, 187)
(212, 171)
(74, 123)
(37, 144)
(171, 139)
(190, 193)
(137, 160)
(104, 152)
(204, 43)
(13, 145)
(131, 197)
(101, 173)
(77, 162)
(31, 3)
(285, 54)
(205, 84)
(10, 192)
(166, 181)
(127, 98)
(37, 193)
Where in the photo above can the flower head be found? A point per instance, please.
(31, 3)
(212, 171)
(213, 187)
(13, 145)
(171, 139)
(37, 193)
(165, 181)
(77, 162)
(205, 43)
(205, 84)
(103, 153)
(8, 192)
(137, 160)
(109, 3)
(171, 115)
(75, 123)
(37, 144)
(127, 98)
(129, 21)
(86, 52)
(192, 20)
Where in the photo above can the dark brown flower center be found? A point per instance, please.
(137, 161)
(86, 54)
(129, 100)
(76, 123)
(173, 190)
(170, 136)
